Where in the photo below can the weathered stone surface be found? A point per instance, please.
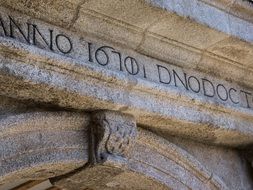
(153, 162)
(222, 20)
(107, 178)
(113, 136)
(76, 73)
(236, 172)
(60, 12)
(57, 143)
(121, 25)
(189, 77)
(42, 144)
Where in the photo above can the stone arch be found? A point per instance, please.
(42, 144)
(171, 165)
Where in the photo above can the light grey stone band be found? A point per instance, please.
(28, 71)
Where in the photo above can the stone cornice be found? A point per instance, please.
(53, 78)
(30, 72)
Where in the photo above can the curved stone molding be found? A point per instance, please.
(166, 162)
(42, 144)
(154, 161)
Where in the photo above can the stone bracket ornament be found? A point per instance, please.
(112, 134)
(111, 138)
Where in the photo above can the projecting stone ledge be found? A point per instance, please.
(82, 65)
(152, 68)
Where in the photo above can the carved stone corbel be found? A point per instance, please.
(112, 136)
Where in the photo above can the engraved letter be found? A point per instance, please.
(3, 27)
(219, 86)
(191, 86)
(14, 24)
(230, 96)
(60, 47)
(207, 92)
(161, 79)
(101, 50)
(134, 67)
(49, 44)
(246, 97)
(176, 76)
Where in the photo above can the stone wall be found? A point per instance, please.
(126, 94)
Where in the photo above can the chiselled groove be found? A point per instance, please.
(27, 185)
(161, 170)
(29, 122)
(6, 133)
(113, 20)
(52, 162)
(53, 188)
(136, 29)
(35, 78)
(133, 62)
(180, 160)
(156, 34)
(44, 150)
(152, 89)
(22, 148)
(197, 171)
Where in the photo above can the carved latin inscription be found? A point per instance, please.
(33, 35)
(63, 42)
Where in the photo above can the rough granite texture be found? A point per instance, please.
(133, 94)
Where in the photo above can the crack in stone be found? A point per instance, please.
(76, 14)
(144, 33)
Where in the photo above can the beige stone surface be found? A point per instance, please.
(233, 163)
(40, 145)
(48, 95)
(232, 49)
(72, 81)
(154, 162)
(49, 144)
(57, 11)
(121, 25)
(186, 32)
